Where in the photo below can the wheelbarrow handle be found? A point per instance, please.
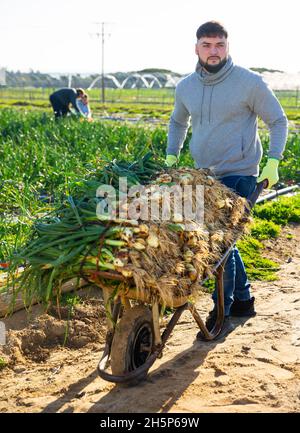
(257, 191)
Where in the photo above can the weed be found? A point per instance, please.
(3, 363)
(70, 300)
(282, 211)
(257, 266)
(263, 229)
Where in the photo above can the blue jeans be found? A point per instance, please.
(236, 283)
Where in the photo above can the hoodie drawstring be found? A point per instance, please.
(210, 103)
(202, 104)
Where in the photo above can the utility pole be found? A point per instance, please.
(101, 34)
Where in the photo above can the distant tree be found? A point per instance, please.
(39, 79)
(261, 70)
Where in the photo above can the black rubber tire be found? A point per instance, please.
(133, 340)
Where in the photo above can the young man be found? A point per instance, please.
(223, 101)
(62, 99)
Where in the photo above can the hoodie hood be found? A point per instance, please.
(210, 79)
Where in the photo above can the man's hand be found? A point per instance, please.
(171, 160)
(270, 172)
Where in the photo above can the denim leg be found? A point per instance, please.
(242, 284)
(229, 275)
(235, 281)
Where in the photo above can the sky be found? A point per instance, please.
(60, 35)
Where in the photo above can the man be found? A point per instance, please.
(62, 99)
(223, 101)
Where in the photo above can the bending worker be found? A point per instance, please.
(223, 101)
(62, 99)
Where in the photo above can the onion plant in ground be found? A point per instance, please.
(37, 150)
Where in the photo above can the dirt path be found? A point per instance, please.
(256, 368)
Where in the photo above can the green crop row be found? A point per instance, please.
(38, 151)
(43, 159)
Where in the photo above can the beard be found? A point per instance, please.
(213, 68)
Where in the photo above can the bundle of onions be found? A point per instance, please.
(159, 257)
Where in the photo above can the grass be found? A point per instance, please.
(282, 211)
(251, 250)
(70, 300)
(263, 229)
(257, 266)
(269, 218)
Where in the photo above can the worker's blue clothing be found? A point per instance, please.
(236, 283)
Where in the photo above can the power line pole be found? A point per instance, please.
(101, 34)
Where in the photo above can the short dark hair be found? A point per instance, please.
(80, 91)
(211, 29)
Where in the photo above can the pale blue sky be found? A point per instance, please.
(56, 35)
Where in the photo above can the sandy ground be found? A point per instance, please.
(255, 368)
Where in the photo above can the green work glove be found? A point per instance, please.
(270, 172)
(171, 160)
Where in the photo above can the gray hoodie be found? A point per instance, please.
(223, 108)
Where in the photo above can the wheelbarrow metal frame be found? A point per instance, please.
(140, 372)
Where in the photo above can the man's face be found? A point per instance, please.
(212, 50)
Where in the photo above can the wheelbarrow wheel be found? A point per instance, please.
(133, 340)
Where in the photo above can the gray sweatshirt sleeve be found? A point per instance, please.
(268, 108)
(178, 126)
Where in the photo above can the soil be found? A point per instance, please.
(51, 362)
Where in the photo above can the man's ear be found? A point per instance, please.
(196, 49)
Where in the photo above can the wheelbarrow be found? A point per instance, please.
(134, 341)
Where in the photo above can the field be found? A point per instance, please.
(254, 369)
(42, 163)
(43, 160)
(139, 103)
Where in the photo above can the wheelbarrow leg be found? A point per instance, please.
(110, 335)
(211, 335)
